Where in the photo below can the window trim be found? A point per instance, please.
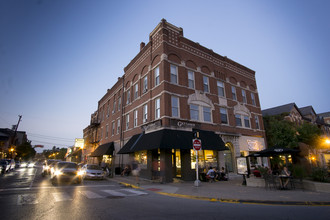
(207, 84)
(234, 93)
(175, 107)
(191, 80)
(145, 84)
(244, 99)
(145, 113)
(226, 114)
(174, 74)
(135, 115)
(157, 108)
(221, 87)
(157, 76)
(127, 121)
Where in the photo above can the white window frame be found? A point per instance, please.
(119, 103)
(135, 118)
(113, 129)
(156, 75)
(221, 87)
(191, 79)
(127, 121)
(194, 110)
(247, 123)
(224, 112)
(145, 84)
(253, 100)
(106, 131)
(177, 108)
(207, 111)
(128, 96)
(114, 106)
(174, 74)
(256, 118)
(244, 96)
(118, 126)
(157, 108)
(238, 116)
(233, 93)
(136, 91)
(145, 113)
(206, 84)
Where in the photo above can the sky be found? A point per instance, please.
(59, 57)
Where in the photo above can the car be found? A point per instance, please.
(4, 166)
(17, 164)
(47, 166)
(65, 171)
(11, 164)
(92, 171)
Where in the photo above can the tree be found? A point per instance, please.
(309, 134)
(25, 151)
(280, 132)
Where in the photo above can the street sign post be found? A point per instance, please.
(197, 145)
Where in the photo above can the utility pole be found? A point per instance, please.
(11, 143)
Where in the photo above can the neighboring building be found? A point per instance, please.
(326, 117)
(290, 111)
(6, 136)
(173, 89)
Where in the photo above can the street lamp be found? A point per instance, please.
(12, 152)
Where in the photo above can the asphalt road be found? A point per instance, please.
(24, 194)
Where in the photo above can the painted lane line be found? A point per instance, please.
(91, 195)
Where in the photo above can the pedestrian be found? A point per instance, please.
(136, 171)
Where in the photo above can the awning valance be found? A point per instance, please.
(276, 150)
(172, 139)
(104, 149)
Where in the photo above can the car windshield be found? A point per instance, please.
(3, 162)
(93, 167)
(67, 165)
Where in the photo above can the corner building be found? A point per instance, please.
(172, 90)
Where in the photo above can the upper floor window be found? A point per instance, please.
(114, 106)
(207, 114)
(221, 89)
(136, 91)
(194, 112)
(246, 121)
(175, 106)
(145, 84)
(257, 121)
(108, 110)
(174, 74)
(119, 103)
(238, 120)
(244, 96)
(145, 113)
(118, 126)
(156, 74)
(113, 128)
(206, 84)
(127, 121)
(157, 108)
(223, 116)
(135, 118)
(128, 100)
(233, 92)
(106, 131)
(191, 79)
(253, 99)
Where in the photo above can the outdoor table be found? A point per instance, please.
(283, 179)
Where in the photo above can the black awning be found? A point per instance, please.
(76, 153)
(172, 139)
(104, 149)
(276, 150)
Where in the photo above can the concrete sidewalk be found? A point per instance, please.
(228, 191)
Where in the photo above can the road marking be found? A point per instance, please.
(114, 193)
(27, 199)
(33, 178)
(135, 192)
(91, 195)
(61, 197)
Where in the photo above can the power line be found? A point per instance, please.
(50, 137)
(43, 142)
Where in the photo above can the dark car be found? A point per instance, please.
(66, 171)
(47, 166)
(4, 166)
(11, 164)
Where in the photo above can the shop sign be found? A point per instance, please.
(152, 126)
(242, 166)
(253, 145)
(184, 124)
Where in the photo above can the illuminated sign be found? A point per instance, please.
(79, 142)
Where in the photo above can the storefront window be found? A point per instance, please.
(141, 158)
(206, 158)
(107, 159)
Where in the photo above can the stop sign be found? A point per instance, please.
(197, 144)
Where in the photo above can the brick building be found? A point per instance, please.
(171, 90)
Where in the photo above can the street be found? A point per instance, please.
(25, 194)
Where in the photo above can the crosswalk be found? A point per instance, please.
(32, 198)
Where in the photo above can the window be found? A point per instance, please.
(257, 122)
(145, 84)
(135, 118)
(157, 108)
(207, 114)
(253, 99)
(223, 116)
(175, 106)
(113, 128)
(246, 121)
(107, 131)
(191, 79)
(118, 126)
(174, 74)
(128, 96)
(119, 103)
(194, 112)
(127, 121)
(145, 113)
(244, 96)
(108, 110)
(156, 72)
(221, 89)
(233, 92)
(114, 106)
(136, 91)
(238, 120)
(205, 84)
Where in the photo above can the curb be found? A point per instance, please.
(237, 201)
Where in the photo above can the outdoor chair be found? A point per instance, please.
(270, 181)
(296, 183)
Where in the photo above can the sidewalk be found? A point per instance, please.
(228, 191)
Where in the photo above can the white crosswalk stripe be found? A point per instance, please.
(61, 196)
(24, 199)
(114, 193)
(91, 195)
(135, 192)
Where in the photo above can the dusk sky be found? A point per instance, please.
(59, 57)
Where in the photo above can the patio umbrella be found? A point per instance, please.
(276, 150)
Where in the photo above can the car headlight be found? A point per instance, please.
(80, 173)
(58, 172)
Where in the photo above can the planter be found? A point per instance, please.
(255, 182)
(316, 186)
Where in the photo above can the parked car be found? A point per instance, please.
(17, 164)
(4, 166)
(65, 171)
(92, 171)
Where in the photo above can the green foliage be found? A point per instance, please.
(298, 171)
(280, 132)
(320, 174)
(308, 134)
(25, 151)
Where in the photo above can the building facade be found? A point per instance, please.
(175, 90)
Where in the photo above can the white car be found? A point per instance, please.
(92, 171)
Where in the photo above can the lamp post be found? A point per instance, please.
(12, 152)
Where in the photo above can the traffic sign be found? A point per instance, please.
(197, 144)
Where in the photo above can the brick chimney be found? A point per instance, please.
(142, 44)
